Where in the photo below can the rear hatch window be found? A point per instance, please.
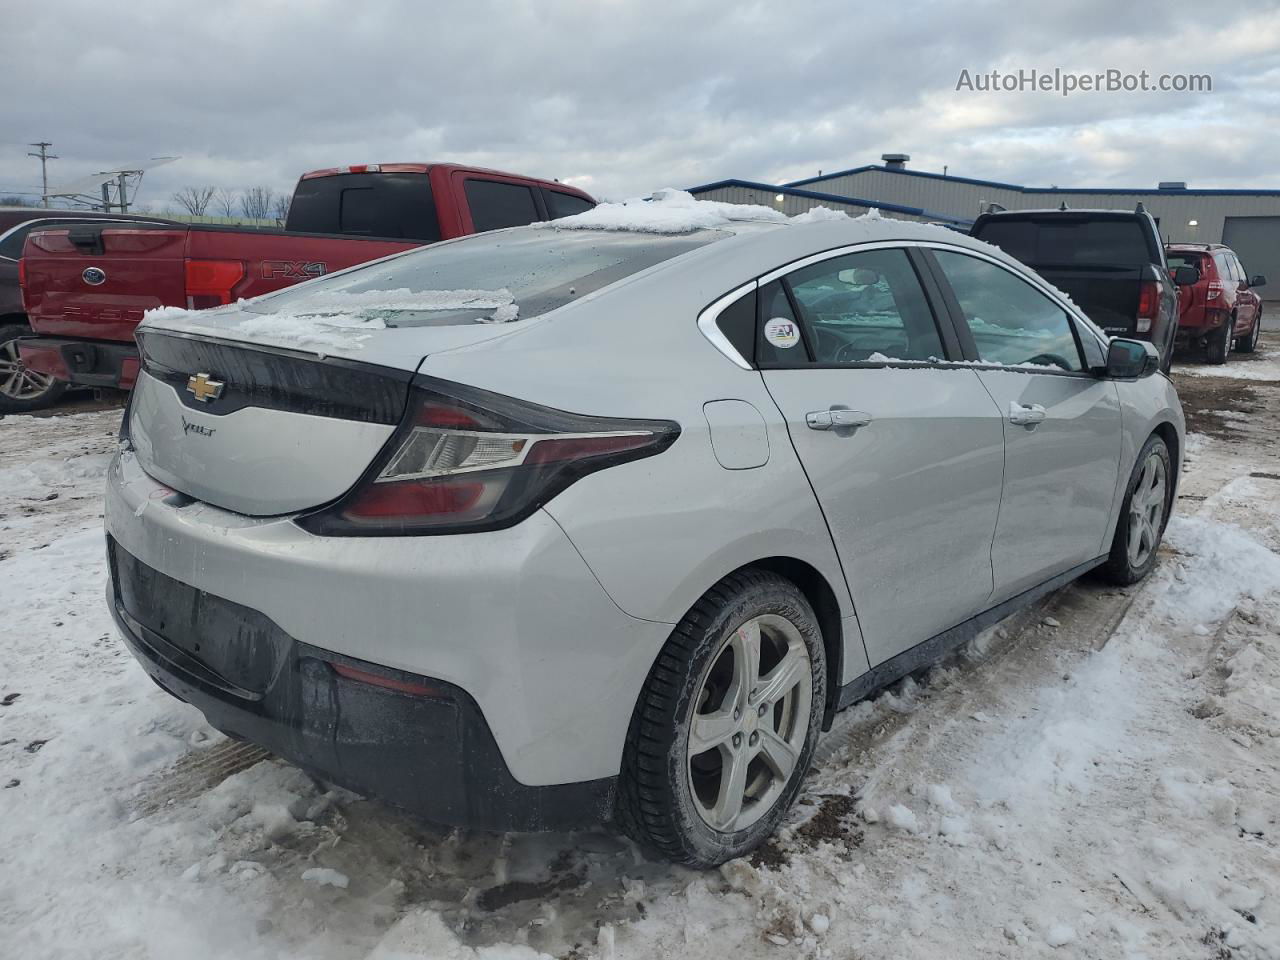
(398, 205)
(487, 278)
(1196, 260)
(1069, 242)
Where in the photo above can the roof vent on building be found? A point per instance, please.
(895, 161)
(1172, 185)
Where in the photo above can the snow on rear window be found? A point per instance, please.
(667, 211)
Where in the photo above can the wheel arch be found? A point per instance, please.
(822, 597)
(1167, 432)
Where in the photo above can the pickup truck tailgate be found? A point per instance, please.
(95, 281)
(1107, 295)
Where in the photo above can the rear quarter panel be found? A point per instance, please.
(659, 532)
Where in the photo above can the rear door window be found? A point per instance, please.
(1011, 321)
(564, 204)
(866, 308)
(393, 205)
(495, 204)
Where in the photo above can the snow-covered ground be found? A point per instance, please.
(1099, 777)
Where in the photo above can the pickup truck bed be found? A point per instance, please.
(86, 287)
(142, 268)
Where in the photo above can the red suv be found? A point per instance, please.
(1221, 310)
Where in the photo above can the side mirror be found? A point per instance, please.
(1186, 276)
(1258, 281)
(1132, 359)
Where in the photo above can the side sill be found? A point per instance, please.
(929, 651)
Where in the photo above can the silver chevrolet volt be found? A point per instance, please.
(554, 526)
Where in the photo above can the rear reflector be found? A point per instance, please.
(210, 283)
(388, 683)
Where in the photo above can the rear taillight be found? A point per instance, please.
(22, 283)
(466, 459)
(1214, 290)
(210, 282)
(1148, 305)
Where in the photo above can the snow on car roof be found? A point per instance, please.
(678, 211)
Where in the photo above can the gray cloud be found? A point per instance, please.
(623, 97)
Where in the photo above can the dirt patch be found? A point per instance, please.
(833, 823)
(1205, 399)
(505, 894)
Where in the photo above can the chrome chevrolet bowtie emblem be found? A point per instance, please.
(204, 388)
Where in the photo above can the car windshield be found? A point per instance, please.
(1177, 260)
(496, 277)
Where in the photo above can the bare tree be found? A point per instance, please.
(280, 209)
(195, 200)
(14, 201)
(226, 201)
(255, 203)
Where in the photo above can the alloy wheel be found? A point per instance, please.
(750, 722)
(17, 380)
(1146, 510)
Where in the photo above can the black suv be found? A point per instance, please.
(1110, 262)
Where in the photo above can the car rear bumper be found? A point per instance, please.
(512, 620)
(422, 745)
(85, 363)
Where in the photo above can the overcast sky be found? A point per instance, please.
(624, 97)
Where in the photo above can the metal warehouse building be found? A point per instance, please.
(1246, 220)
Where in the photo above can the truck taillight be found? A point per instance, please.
(210, 282)
(1148, 305)
(466, 460)
(22, 274)
(1214, 290)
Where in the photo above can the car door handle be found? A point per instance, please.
(1027, 415)
(827, 419)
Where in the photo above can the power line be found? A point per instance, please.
(45, 156)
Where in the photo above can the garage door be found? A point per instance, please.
(1256, 241)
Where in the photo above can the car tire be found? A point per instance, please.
(22, 390)
(1220, 346)
(703, 807)
(1143, 515)
(1249, 342)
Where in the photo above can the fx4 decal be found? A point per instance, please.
(293, 269)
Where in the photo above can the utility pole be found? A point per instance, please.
(45, 156)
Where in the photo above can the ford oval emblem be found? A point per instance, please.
(94, 276)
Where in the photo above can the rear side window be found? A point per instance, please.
(564, 204)
(394, 205)
(1225, 270)
(780, 341)
(866, 307)
(1011, 321)
(495, 205)
(1064, 242)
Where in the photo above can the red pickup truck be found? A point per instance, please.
(85, 287)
